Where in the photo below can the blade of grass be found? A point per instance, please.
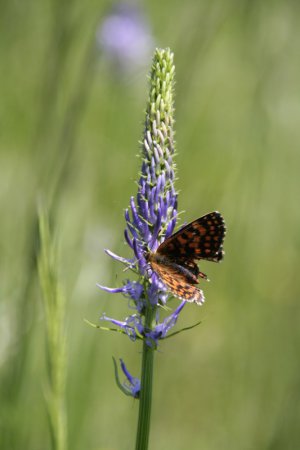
(54, 305)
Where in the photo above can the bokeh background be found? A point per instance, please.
(73, 86)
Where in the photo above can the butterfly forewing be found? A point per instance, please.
(201, 239)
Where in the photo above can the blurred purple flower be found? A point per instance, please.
(125, 37)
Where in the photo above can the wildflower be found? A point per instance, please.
(134, 327)
(150, 221)
(125, 37)
(151, 216)
(132, 385)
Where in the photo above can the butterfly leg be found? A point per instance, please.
(203, 275)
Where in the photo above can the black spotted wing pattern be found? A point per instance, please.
(201, 239)
(174, 260)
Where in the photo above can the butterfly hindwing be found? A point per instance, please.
(177, 283)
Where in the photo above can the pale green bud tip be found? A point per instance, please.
(161, 85)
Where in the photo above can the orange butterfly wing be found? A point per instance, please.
(174, 260)
(177, 282)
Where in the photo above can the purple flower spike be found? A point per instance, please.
(150, 217)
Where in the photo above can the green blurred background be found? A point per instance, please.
(70, 120)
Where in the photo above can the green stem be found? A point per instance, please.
(143, 429)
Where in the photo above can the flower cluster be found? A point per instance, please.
(151, 216)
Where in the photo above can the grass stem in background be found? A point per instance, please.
(54, 305)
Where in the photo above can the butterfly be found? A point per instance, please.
(175, 259)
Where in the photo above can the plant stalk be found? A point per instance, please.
(143, 429)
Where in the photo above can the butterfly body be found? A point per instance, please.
(175, 259)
